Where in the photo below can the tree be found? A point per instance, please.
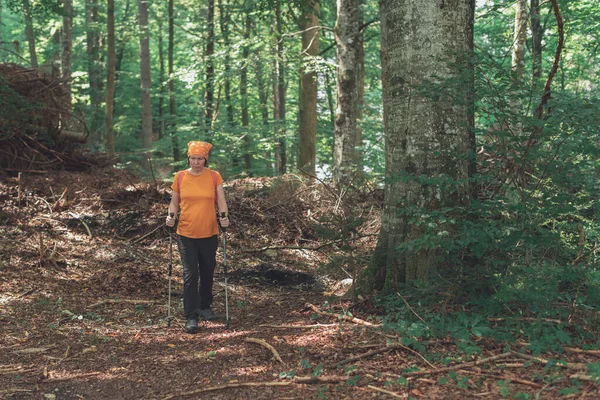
(95, 78)
(110, 77)
(426, 50)
(170, 66)
(244, 94)
(145, 81)
(29, 33)
(279, 93)
(536, 42)
(210, 69)
(307, 130)
(347, 39)
(66, 59)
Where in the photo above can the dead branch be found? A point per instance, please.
(298, 379)
(71, 377)
(116, 301)
(503, 377)
(267, 345)
(396, 395)
(315, 248)
(458, 366)
(343, 316)
(573, 366)
(528, 319)
(581, 351)
(298, 326)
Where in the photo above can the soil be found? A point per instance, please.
(84, 295)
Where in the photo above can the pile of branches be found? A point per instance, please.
(33, 111)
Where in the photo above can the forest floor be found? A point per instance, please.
(84, 300)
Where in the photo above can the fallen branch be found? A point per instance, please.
(385, 349)
(267, 345)
(342, 316)
(70, 377)
(573, 366)
(116, 301)
(139, 239)
(298, 379)
(15, 390)
(583, 377)
(298, 326)
(458, 366)
(396, 395)
(503, 377)
(527, 319)
(581, 351)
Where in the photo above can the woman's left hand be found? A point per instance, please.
(224, 221)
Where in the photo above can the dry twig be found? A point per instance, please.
(116, 301)
(298, 379)
(396, 395)
(459, 366)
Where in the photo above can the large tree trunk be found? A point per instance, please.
(29, 33)
(346, 36)
(67, 55)
(95, 78)
(110, 77)
(225, 16)
(210, 69)
(172, 109)
(145, 81)
(307, 130)
(279, 94)
(427, 138)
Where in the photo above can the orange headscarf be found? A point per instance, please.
(199, 149)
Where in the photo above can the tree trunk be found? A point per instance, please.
(95, 78)
(66, 60)
(172, 109)
(279, 94)
(518, 65)
(344, 132)
(427, 138)
(307, 130)
(110, 77)
(210, 69)
(225, 16)
(161, 80)
(29, 33)
(145, 81)
(536, 48)
(263, 98)
(244, 96)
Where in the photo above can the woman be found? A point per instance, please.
(197, 191)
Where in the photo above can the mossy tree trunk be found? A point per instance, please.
(427, 94)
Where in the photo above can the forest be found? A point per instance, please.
(412, 188)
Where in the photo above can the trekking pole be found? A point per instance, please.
(224, 230)
(170, 271)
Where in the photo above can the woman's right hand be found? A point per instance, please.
(170, 222)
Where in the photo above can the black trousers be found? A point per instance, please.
(198, 257)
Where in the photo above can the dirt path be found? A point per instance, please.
(83, 310)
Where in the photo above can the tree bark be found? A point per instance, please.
(94, 71)
(66, 60)
(279, 94)
(210, 69)
(172, 110)
(244, 96)
(161, 80)
(346, 36)
(110, 77)
(427, 138)
(29, 33)
(307, 130)
(145, 81)
(536, 48)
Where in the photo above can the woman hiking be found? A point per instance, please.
(198, 193)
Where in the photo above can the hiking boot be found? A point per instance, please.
(207, 314)
(191, 326)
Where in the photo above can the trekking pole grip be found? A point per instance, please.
(222, 215)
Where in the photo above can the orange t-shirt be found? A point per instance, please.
(198, 218)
